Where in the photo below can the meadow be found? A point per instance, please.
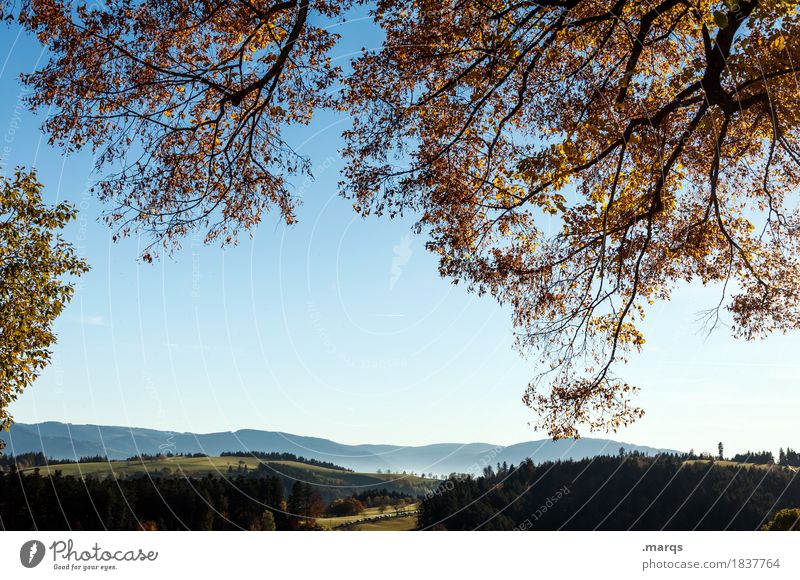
(222, 466)
(373, 519)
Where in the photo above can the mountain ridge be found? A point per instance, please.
(70, 441)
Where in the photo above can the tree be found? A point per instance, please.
(754, 457)
(578, 159)
(147, 526)
(349, 506)
(575, 159)
(305, 505)
(202, 89)
(267, 521)
(34, 262)
(785, 520)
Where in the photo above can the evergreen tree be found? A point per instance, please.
(267, 521)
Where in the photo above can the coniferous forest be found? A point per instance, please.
(628, 491)
(33, 501)
(614, 493)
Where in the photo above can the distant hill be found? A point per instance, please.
(68, 441)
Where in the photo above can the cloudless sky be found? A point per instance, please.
(341, 327)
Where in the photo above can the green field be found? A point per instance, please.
(339, 480)
(189, 466)
(332, 481)
(726, 463)
(401, 524)
(370, 513)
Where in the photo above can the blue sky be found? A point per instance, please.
(341, 328)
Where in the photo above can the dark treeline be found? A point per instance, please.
(33, 501)
(383, 497)
(22, 460)
(613, 493)
(156, 456)
(38, 459)
(755, 457)
(278, 456)
(253, 501)
(789, 457)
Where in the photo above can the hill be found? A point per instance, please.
(68, 441)
(329, 482)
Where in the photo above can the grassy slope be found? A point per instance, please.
(201, 466)
(389, 514)
(726, 463)
(402, 524)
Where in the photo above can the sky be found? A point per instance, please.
(341, 327)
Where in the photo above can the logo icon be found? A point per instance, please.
(31, 553)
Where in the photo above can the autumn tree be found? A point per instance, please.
(578, 160)
(784, 521)
(35, 264)
(267, 522)
(184, 103)
(575, 159)
(348, 506)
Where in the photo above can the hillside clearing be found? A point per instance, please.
(373, 514)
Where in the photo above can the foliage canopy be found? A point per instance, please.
(576, 159)
(34, 259)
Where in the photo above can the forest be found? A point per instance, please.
(628, 491)
(256, 502)
(36, 502)
(614, 493)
